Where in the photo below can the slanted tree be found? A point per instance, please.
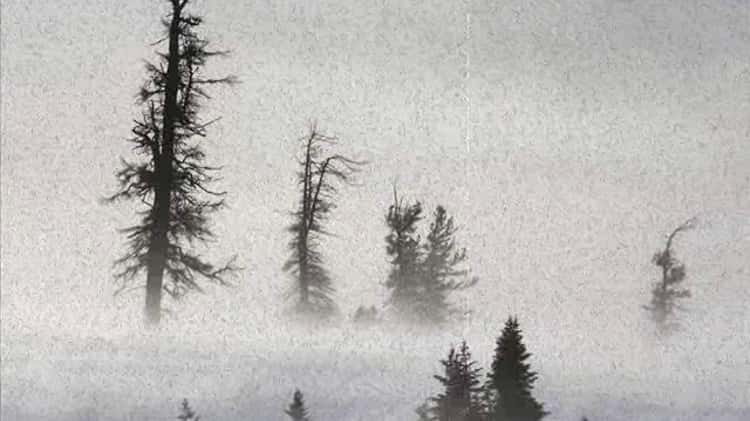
(512, 380)
(667, 291)
(297, 410)
(403, 246)
(441, 270)
(461, 398)
(172, 180)
(187, 413)
(318, 178)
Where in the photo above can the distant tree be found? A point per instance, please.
(297, 410)
(511, 379)
(365, 315)
(441, 270)
(423, 273)
(171, 182)
(403, 246)
(461, 398)
(317, 179)
(186, 413)
(667, 291)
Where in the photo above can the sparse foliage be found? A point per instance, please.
(668, 290)
(171, 181)
(442, 270)
(318, 178)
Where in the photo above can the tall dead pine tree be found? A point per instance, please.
(317, 179)
(172, 180)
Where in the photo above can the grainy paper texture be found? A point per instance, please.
(567, 138)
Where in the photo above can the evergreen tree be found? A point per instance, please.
(402, 244)
(460, 400)
(511, 379)
(297, 410)
(667, 291)
(172, 180)
(441, 269)
(316, 181)
(186, 413)
(424, 272)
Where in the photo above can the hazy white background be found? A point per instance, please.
(594, 129)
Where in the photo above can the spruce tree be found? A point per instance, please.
(441, 269)
(172, 180)
(297, 410)
(187, 413)
(512, 380)
(317, 179)
(460, 400)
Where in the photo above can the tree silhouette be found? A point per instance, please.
(171, 182)
(402, 244)
(441, 268)
(186, 413)
(316, 180)
(511, 379)
(460, 400)
(667, 291)
(423, 272)
(297, 410)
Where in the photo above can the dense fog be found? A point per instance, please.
(567, 139)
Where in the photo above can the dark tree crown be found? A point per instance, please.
(511, 379)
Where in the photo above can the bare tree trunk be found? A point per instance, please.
(159, 241)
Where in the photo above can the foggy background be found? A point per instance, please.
(594, 129)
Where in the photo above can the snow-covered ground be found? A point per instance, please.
(374, 373)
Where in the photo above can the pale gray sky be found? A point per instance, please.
(594, 129)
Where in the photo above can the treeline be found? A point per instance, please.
(505, 393)
(171, 181)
